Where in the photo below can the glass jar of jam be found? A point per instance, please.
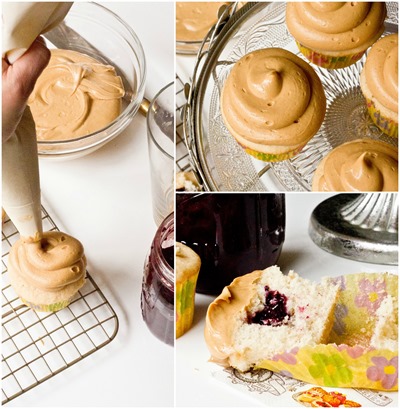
(233, 233)
(157, 299)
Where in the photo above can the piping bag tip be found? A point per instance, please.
(27, 220)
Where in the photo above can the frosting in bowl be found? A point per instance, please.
(381, 71)
(75, 96)
(50, 264)
(194, 19)
(336, 26)
(356, 166)
(272, 98)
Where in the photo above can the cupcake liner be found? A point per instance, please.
(385, 124)
(185, 293)
(273, 157)
(346, 361)
(47, 307)
(327, 61)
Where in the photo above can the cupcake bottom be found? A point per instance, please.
(185, 293)
(42, 300)
(268, 153)
(387, 125)
(329, 61)
(47, 307)
(273, 157)
(348, 360)
(382, 117)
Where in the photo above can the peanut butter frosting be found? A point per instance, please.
(51, 264)
(272, 98)
(219, 332)
(361, 165)
(194, 19)
(381, 71)
(264, 313)
(336, 26)
(75, 96)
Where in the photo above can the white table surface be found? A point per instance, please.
(196, 385)
(104, 199)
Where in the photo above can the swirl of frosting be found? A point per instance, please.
(52, 263)
(336, 26)
(75, 96)
(356, 166)
(272, 97)
(381, 71)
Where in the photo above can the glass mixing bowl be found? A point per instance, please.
(94, 30)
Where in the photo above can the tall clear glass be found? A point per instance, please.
(161, 132)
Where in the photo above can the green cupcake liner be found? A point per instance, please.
(47, 307)
(273, 157)
(185, 293)
(327, 61)
(387, 125)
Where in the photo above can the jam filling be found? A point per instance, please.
(274, 312)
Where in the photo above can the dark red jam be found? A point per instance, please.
(274, 312)
(157, 299)
(169, 254)
(232, 233)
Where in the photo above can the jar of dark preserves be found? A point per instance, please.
(157, 299)
(233, 233)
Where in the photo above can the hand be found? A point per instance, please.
(18, 82)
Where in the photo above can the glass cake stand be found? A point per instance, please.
(219, 160)
(361, 227)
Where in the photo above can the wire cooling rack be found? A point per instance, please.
(36, 346)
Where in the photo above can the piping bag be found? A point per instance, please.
(22, 23)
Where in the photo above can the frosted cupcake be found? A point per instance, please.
(194, 19)
(379, 84)
(335, 34)
(47, 274)
(187, 271)
(363, 165)
(272, 103)
(265, 313)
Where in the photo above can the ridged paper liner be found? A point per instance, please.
(328, 61)
(47, 307)
(184, 304)
(273, 157)
(346, 361)
(385, 124)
